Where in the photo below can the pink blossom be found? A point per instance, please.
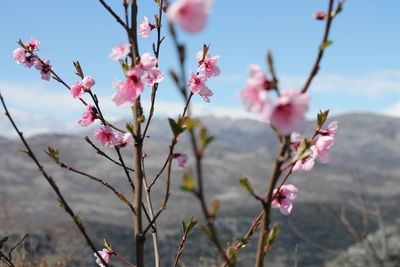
(322, 146)
(209, 64)
(88, 82)
(30, 61)
(182, 159)
(105, 254)
(287, 113)
(191, 15)
(254, 99)
(147, 61)
(129, 90)
(19, 55)
(282, 199)
(45, 68)
(77, 90)
(153, 76)
(331, 130)
(106, 136)
(320, 15)
(305, 164)
(257, 79)
(145, 28)
(32, 45)
(88, 116)
(197, 83)
(118, 51)
(124, 140)
(205, 93)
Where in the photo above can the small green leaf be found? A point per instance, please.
(205, 138)
(174, 77)
(54, 154)
(215, 206)
(303, 151)
(106, 244)
(3, 241)
(245, 183)
(129, 127)
(189, 123)
(78, 69)
(321, 117)
(187, 181)
(175, 127)
(188, 227)
(325, 45)
(338, 9)
(78, 220)
(273, 234)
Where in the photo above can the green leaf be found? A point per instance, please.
(54, 154)
(175, 127)
(321, 117)
(129, 127)
(3, 241)
(325, 45)
(78, 69)
(188, 181)
(273, 234)
(106, 244)
(174, 77)
(215, 206)
(303, 151)
(205, 138)
(245, 183)
(338, 9)
(189, 123)
(188, 230)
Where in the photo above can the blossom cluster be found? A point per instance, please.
(286, 112)
(319, 148)
(146, 72)
(207, 65)
(26, 56)
(107, 137)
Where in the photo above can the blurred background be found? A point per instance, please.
(359, 81)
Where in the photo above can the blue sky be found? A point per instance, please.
(360, 71)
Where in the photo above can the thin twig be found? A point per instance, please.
(119, 20)
(315, 68)
(53, 185)
(15, 246)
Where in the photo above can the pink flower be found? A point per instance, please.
(118, 51)
(196, 83)
(129, 90)
(287, 113)
(124, 140)
(105, 254)
(331, 130)
(282, 199)
(45, 68)
(30, 61)
(106, 136)
(182, 159)
(209, 65)
(320, 15)
(153, 76)
(305, 164)
(88, 82)
(205, 93)
(191, 15)
(322, 146)
(147, 61)
(88, 116)
(257, 79)
(77, 90)
(32, 45)
(145, 28)
(19, 55)
(254, 99)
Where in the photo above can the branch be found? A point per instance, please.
(53, 185)
(315, 68)
(119, 20)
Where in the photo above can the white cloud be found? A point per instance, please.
(393, 111)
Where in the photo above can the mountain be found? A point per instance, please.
(365, 157)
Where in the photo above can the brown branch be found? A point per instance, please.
(101, 181)
(118, 19)
(15, 246)
(315, 68)
(53, 185)
(102, 153)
